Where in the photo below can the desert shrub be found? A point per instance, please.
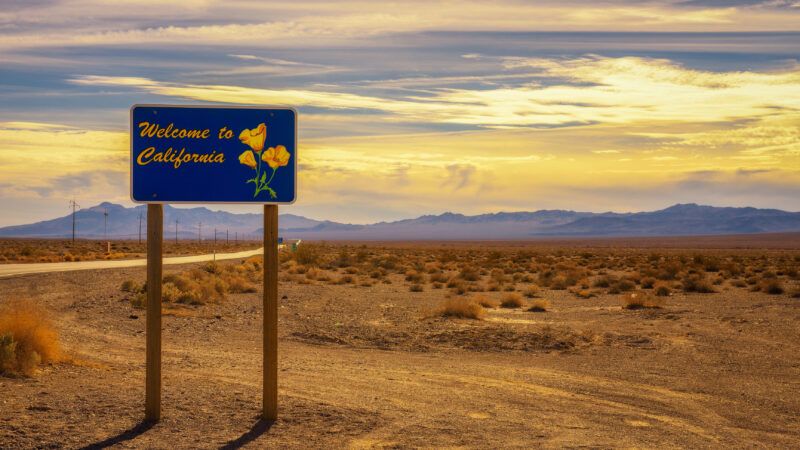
(27, 338)
(512, 300)
(139, 300)
(498, 275)
(772, 287)
(415, 277)
(254, 263)
(344, 259)
(438, 277)
(641, 300)
(170, 292)
(485, 301)
(416, 288)
(239, 285)
(129, 286)
(539, 305)
(212, 267)
(584, 293)
(662, 290)
(459, 288)
(469, 274)
(623, 285)
(463, 308)
(346, 279)
(696, 283)
(308, 254)
(604, 281)
(560, 283)
(712, 264)
(386, 262)
(546, 277)
(648, 282)
(669, 271)
(531, 291)
(796, 293)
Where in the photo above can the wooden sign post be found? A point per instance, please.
(155, 236)
(176, 151)
(270, 349)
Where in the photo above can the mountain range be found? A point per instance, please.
(677, 220)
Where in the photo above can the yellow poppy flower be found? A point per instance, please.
(276, 156)
(255, 137)
(248, 159)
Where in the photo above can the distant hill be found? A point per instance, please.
(677, 220)
(124, 223)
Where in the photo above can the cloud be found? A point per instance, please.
(586, 90)
(459, 175)
(272, 24)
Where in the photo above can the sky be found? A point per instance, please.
(419, 107)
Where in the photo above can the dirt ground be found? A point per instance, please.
(375, 367)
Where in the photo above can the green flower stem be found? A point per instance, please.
(272, 176)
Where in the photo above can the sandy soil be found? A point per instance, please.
(369, 367)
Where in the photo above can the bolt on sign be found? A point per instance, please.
(187, 154)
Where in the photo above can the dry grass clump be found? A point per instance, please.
(697, 283)
(623, 285)
(464, 308)
(512, 300)
(770, 286)
(486, 302)
(641, 300)
(416, 288)
(208, 284)
(469, 274)
(415, 277)
(539, 305)
(27, 338)
(308, 254)
(662, 290)
(531, 291)
(129, 286)
(647, 282)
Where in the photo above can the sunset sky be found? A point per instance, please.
(411, 108)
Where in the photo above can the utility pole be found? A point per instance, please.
(215, 237)
(176, 231)
(200, 232)
(74, 206)
(227, 237)
(105, 223)
(140, 228)
(236, 237)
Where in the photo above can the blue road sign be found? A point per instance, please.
(182, 154)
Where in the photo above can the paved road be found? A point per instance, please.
(7, 270)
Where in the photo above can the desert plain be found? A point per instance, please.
(645, 343)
